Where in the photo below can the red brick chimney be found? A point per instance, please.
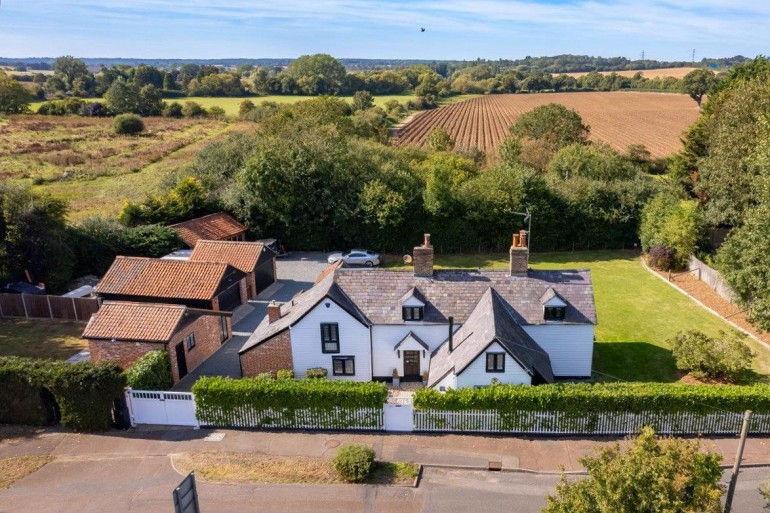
(519, 254)
(423, 258)
(273, 311)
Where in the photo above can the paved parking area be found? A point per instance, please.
(296, 272)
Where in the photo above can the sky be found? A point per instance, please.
(454, 29)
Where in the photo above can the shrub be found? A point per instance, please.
(173, 110)
(285, 374)
(151, 372)
(128, 124)
(216, 112)
(245, 107)
(354, 462)
(193, 110)
(94, 110)
(316, 373)
(23, 396)
(65, 107)
(724, 357)
(661, 257)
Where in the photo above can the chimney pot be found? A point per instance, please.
(523, 238)
(426, 241)
(519, 254)
(451, 333)
(273, 311)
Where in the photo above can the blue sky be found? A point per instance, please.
(455, 29)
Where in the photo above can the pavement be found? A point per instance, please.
(132, 471)
(296, 272)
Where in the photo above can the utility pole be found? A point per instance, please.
(737, 465)
(693, 55)
(642, 54)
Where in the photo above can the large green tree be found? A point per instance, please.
(71, 68)
(652, 476)
(317, 74)
(697, 83)
(14, 98)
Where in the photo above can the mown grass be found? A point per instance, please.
(259, 468)
(40, 338)
(13, 469)
(638, 313)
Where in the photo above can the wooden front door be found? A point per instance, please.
(181, 360)
(411, 364)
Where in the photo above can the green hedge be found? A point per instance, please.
(601, 397)
(82, 392)
(151, 372)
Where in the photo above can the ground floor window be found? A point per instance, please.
(190, 341)
(344, 365)
(495, 362)
(223, 327)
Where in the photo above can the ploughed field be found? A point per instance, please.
(646, 73)
(620, 119)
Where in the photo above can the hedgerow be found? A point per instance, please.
(600, 397)
(23, 397)
(151, 372)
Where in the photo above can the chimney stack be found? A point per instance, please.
(273, 311)
(451, 333)
(519, 254)
(423, 258)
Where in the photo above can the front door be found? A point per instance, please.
(411, 364)
(181, 360)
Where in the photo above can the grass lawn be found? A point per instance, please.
(637, 312)
(13, 469)
(41, 338)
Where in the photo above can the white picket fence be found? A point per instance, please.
(585, 423)
(355, 419)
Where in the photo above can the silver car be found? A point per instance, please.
(356, 257)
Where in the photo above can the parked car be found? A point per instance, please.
(356, 257)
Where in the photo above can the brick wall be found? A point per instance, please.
(244, 289)
(124, 353)
(272, 355)
(423, 261)
(518, 261)
(208, 339)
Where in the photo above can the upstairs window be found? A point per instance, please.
(554, 313)
(330, 338)
(413, 313)
(495, 362)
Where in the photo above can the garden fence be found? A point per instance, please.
(32, 306)
(712, 278)
(246, 416)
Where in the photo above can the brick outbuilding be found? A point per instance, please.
(253, 258)
(219, 226)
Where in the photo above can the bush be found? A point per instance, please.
(172, 110)
(65, 107)
(245, 107)
(724, 357)
(23, 396)
(285, 374)
(193, 110)
(661, 257)
(151, 372)
(316, 373)
(128, 124)
(354, 462)
(94, 110)
(216, 112)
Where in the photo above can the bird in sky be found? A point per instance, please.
(422, 29)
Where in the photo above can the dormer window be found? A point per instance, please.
(554, 313)
(413, 313)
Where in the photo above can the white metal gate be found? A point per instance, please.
(165, 408)
(398, 415)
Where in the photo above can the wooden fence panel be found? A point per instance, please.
(86, 307)
(712, 278)
(63, 308)
(11, 305)
(37, 306)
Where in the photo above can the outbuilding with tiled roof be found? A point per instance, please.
(219, 226)
(253, 258)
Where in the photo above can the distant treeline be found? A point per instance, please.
(557, 64)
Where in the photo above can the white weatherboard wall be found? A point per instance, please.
(476, 373)
(354, 341)
(385, 337)
(450, 381)
(569, 346)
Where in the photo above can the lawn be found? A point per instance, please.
(638, 313)
(40, 338)
(13, 469)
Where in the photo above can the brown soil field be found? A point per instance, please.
(620, 119)
(646, 73)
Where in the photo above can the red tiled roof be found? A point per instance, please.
(219, 226)
(241, 255)
(156, 278)
(145, 322)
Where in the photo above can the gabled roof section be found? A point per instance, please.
(492, 320)
(415, 293)
(167, 279)
(139, 322)
(244, 256)
(552, 298)
(219, 226)
(293, 311)
(413, 336)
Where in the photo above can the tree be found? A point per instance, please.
(652, 476)
(724, 357)
(444, 175)
(545, 130)
(150, 101)
(440, 140)
(673, 223)
(123, 97)
(71, 68)
(362, 100)
(317, 74)
(148, 75)
(14, 98)
(697, 83)
(594, 161)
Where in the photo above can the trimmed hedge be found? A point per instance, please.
(151, 372)
(31, 391)
(354, 462)
(600, 397)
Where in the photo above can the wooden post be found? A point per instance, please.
(737, 464)
(75, 308)
(1, 305)
(50, 311)
(24, 304)
(669, 275)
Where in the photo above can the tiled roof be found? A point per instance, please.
(241, 255)
(142, 322)
(492, 320)
(413, 336)
(294, 310)
(219, 226)
(378, 293)
(171, 279)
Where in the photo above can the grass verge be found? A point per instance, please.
(13, 469)
(41, 338)
(258, 468)
(638, 313)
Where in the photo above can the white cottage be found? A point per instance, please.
(464, 328)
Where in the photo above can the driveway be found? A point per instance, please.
(296, 272)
